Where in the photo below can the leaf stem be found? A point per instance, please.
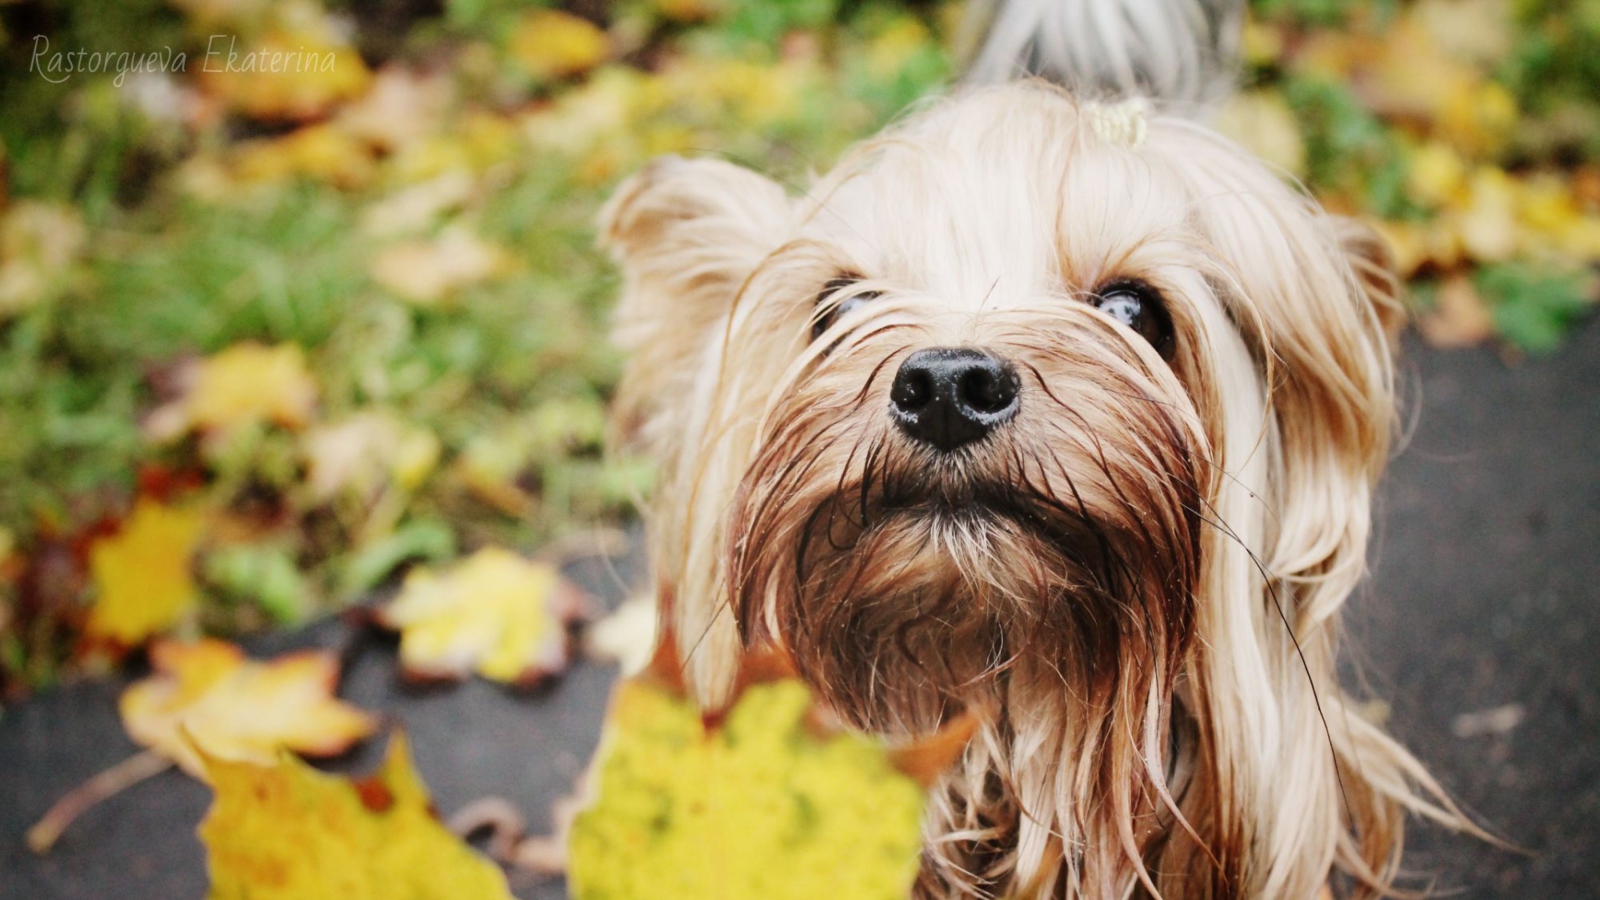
(136, 768)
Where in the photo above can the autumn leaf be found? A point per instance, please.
(206, 696)
(1487, 221)
(1436, 174)
(400, 108)
(418, 206)
(496, 613)
(758, 808)
(1264, 124)
(548, 43)
(428, 271)
(1457, 317)
(241, 385)
(365, 452)
(39, 242)
(319, 152)
(476, 141)
(142, 573)
(284, 831)
(626, 637)
(297, 71)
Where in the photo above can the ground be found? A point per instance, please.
(1487, 573)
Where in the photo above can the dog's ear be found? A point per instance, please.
(688, 235)
(1373, 263)
(1315, 298)
(1334, 406)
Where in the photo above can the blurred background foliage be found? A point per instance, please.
(315, 324)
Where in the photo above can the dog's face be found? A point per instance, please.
(1024, 410)
(989, 446)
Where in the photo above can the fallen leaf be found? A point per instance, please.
(142, 573)
(366, 452)
(1487, 223)
(760, 807)
(38, 244)
(1458, 316)
(475, 142)
(548, 43)
(416, 208)
(1556, 228)
(428, 271)
(1264, 124)
(1498, 720)
(206, 696)
(1436, 174)
(319, 152)
(400, 108)
(284, 831)
(1474, 31)
(495, 613)
(1407, 244)
(894, 47)
(244, 384)
(1261, 43)
(295, 72)
(626, 637)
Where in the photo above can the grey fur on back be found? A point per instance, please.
(1176, 52)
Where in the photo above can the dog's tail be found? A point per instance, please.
(1176, 52)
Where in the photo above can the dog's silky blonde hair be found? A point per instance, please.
(997, 203)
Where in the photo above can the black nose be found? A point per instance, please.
(949, 397)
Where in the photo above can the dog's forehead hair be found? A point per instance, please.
(1002, 202)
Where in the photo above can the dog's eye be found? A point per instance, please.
(1139, 307)
(830, 311)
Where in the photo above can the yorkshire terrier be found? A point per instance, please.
(1058, 413)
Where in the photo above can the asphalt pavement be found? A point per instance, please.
(1481, 627)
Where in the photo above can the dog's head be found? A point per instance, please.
(1047, 411)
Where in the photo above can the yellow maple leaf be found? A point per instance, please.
(549, 43)
(241, 385)
(1555, 225)
(1458, 316)
(1436, 174)
(401, 107)
(362, 454)
(285, 831)
(496, 613)
(1406, 242)
(39, 243)
(320, 152)
(757, 808)
(428, 271)
(206, 696)
(896, 45)
(1487, 223)
(298, 71)
(142, 573)
(1264, 124)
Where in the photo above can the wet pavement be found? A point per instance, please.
(1484, 613)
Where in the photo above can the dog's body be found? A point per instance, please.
(1058, 414)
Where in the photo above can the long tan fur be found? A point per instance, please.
(1136, 585)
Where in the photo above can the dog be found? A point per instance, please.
(1051, 410)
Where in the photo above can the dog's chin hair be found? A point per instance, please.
(1055, 562)
(1133, 585)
